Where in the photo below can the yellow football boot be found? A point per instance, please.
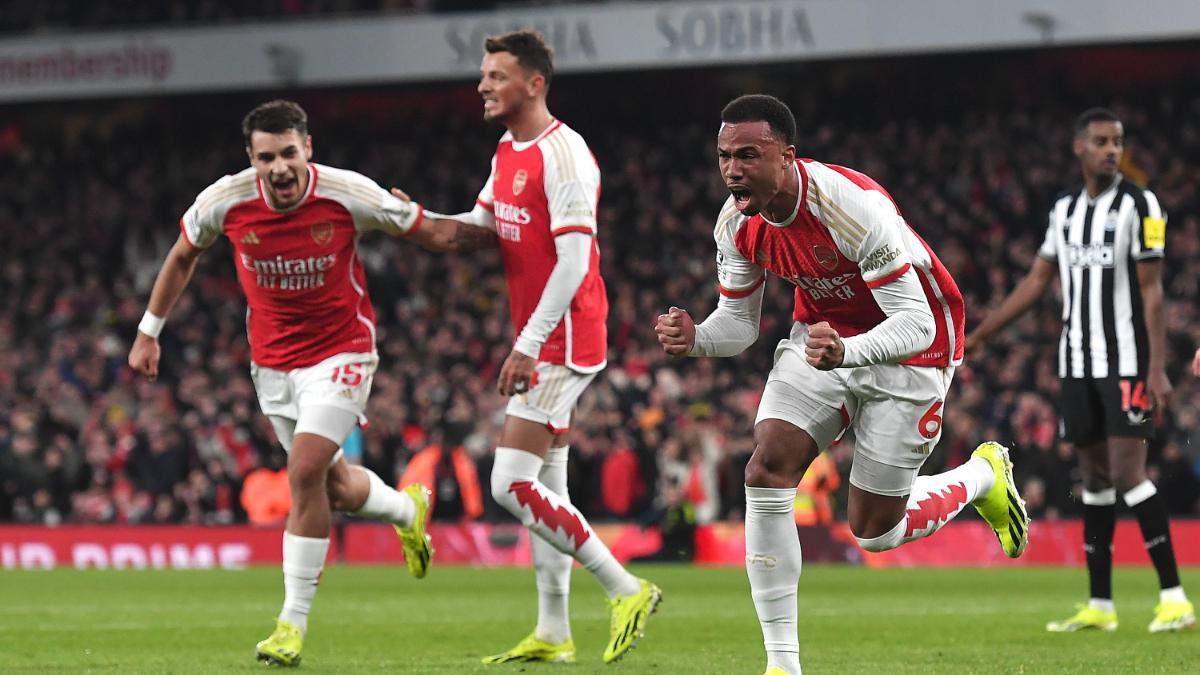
(283, 647)
(1173, 616)
(1087, 618)
(1002, 506)
(629, 615)
(533, 649)
(418, 549)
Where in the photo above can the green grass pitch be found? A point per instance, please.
(378, 619)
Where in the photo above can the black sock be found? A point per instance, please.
(1098, 524)
(1152, 517)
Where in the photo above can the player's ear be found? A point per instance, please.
(308, 148)
(536, 84)
(1077, 145)
(789, 155)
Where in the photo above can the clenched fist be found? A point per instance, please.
(824, 347)
(676, 332)
(144, 356)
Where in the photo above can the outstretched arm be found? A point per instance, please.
(1031, 289)
(174, 276)
(450, 235)
(461, 233)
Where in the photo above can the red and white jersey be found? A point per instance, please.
(537, 190)
(306, 293)
(846, 237)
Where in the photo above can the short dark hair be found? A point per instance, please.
(762, 108)
(528, 46)
(1093, 115)
(275, 117)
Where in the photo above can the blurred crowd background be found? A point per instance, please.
(48, 16)
(973, 148)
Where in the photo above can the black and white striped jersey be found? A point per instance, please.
(1097, 244)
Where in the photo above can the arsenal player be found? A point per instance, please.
(293, 225)
(539, 205)
(878, 331)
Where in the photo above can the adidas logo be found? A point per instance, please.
(250, 238)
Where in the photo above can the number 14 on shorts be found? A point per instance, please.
(1133, 395)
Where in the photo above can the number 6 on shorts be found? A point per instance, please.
(931, 421)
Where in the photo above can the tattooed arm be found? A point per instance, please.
(460, 233)
(450, 235)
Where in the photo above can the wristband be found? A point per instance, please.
(151, 325)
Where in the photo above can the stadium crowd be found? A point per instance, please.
(91, 193)
(59, 15)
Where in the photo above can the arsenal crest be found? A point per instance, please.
(519, 182)
(322, 232)
(826, 257)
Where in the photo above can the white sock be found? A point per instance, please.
(1102, 604)
(385, 503)
(516, 487)
(773, 566)
(936, 499)
(303, 559)
(933, 502)
(553, 567)
(1173, 594)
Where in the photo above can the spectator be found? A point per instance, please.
(452, 478)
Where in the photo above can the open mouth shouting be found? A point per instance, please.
(286, 188)
(741, 196)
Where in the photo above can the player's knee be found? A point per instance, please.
(504, 488)
(1097, 481)
(766, 469)
(339, 495)
(1129, 480)
(781, 455)
(306, 473)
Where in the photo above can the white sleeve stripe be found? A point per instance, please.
(822, 205)
(852, 226)
(1153, 208)
(564, 169)
(361, 193)
(834, 219)
(726, 218)
(229, 194)
(561, 166)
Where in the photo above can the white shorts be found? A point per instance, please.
(298, 400)
(552, 398)
(895, 411)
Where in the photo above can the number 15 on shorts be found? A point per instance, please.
(350, 374)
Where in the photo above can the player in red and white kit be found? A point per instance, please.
(878, 331)
(540, 202)
(294, 227)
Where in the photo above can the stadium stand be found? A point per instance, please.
(92, 192)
